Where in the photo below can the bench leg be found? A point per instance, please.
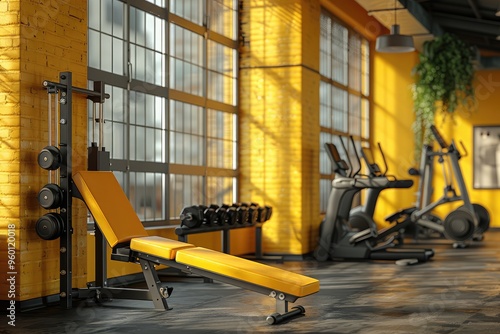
(283, 314)
(158, 292)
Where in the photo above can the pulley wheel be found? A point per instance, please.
(459, 225)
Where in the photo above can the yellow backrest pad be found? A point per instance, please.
(109, 205)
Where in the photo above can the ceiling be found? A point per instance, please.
(473, 21)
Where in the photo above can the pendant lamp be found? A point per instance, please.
(394, 42)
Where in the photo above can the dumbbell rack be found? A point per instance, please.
(65, 88)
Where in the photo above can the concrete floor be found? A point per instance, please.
(456, 292)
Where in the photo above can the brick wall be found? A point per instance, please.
(9, 131)
(279, 127)
(47, 37)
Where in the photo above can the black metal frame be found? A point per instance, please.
(66, 89)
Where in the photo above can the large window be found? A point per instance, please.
(170, 124)
(344, 93)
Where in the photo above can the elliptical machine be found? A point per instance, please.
(337, 240)
(467, 222)
(361, 217)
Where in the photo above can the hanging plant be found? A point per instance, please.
(443, 81)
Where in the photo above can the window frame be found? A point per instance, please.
(349, 90)
(124, 166)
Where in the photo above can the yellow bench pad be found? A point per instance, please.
(158, 246)
(248, 271)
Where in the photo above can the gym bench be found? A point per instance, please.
(117, 220)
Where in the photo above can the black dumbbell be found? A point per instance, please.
(252, 212)
(191, 216)
(225, 215)
(231, 214)
(219, 215)
(209, 215)
(269, 212)
(241, 213)
(261, 214)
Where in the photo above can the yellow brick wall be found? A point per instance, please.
(279, 128)
(38, 40)
(9, 132)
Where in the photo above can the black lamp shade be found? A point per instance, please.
(394, 42)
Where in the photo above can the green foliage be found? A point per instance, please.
(443, 80)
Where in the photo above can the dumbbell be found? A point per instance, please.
(209, 215)
(241, 213)
(252, 212)
(220, 215)
(231, 215)
(192, 216)
(264, 213)
(261, 214)
(269, 212)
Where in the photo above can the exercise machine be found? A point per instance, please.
(56, 158)
(461, 225)
(337, 240)
(361, 217)
(372, 195)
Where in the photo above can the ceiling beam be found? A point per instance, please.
(469, 24)
(473, 5)
(422, 16)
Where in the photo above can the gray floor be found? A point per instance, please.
(457, 292)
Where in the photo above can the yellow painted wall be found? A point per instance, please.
(37, 41)
(391, 125)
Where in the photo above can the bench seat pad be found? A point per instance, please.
(248, 271)
(158, 246)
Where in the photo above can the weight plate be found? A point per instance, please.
(50, 158)
(50, 196)
(49, 226)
